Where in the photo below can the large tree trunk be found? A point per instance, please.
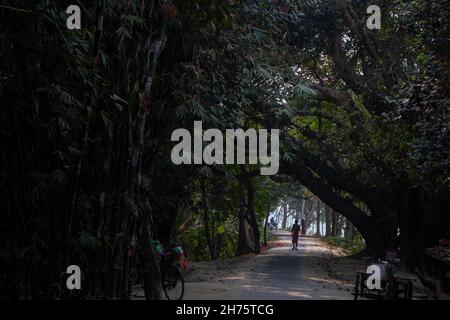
(209, 238)
(244, 244)
(251, 214)
(318, 218)
(327, 221)
(266, 223)
(412, 229)
(152, 275)
(334, 218)
(285, 216)
(423, 221)
(302, 212)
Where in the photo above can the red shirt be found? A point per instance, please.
(295, 230)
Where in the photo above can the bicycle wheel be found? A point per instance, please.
(173, 283)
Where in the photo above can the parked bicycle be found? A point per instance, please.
(172, 262)
(172, 279)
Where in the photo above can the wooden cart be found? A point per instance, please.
(393, 287)
(437, 263)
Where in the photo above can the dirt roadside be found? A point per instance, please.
(316, 271)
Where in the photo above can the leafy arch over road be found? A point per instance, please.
(87, 116)
(358, 146)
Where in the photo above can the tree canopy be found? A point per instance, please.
(87, 115)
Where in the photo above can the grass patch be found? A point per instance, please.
(351, 246)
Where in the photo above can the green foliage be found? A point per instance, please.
(73, 190)
(351, 246)
(194, 243)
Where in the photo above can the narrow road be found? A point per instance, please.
(315, 271)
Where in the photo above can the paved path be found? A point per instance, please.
(277, 273)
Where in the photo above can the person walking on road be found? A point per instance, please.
(294, 233)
